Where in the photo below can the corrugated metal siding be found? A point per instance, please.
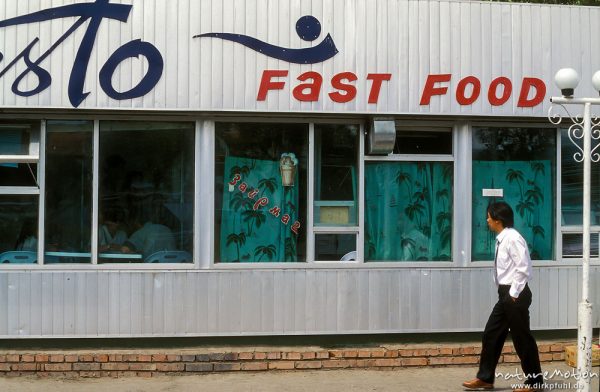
(408, 38)
(253, 302)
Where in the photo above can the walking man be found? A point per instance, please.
(512, 271)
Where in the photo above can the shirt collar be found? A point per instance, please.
(502, 234)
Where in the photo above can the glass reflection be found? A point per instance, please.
(572, 187)
(336, 157)
(68, 191)
(260, 203)
(521, 164)
(146, 192)
(18, 228)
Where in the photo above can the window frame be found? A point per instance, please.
(568, 229)
(457, 135)
(96, 201)
(358, 229)
(311, 230)
(208, 161)
(210, 234)
(558, 228)
(35, 155)
(204, 166)
(94, 265)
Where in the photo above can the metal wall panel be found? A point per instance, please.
(272, 302)
(410, 39)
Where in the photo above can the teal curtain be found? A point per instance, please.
(408, 214)
(249, 235)
(527, 188)
(10, 144)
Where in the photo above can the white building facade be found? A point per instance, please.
(224, 168)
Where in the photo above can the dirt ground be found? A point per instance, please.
(409, 380)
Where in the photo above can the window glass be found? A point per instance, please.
(333, 247)
(520, 164)
(18, 174)
(18, 228)
(15, 138)
(573, 245)
(336, 175)
(68, 191)
(260, 195)
(572, 186)
(423, 141)
(18, 139)
(408, 211)
(146, 192)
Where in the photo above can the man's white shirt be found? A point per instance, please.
(513, 263)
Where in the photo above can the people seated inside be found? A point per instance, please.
(111, 235)
(149, 238)
(27, 240)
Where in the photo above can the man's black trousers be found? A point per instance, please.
(514, 316)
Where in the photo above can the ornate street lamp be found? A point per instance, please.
(581, 133)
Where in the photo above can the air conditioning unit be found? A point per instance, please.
(381, 136)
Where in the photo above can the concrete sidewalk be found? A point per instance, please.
(434, 379)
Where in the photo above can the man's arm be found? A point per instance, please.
(519, 254)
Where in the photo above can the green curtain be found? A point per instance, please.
(408, 214)
(10, 144)
(249, 235)
(527, 188)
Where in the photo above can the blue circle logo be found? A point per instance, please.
(308, 28)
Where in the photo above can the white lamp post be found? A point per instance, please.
(585, 130)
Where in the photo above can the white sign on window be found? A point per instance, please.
(493, 192)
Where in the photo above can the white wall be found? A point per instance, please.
(409, 39)
(272, 302)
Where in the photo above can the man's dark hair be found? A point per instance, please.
(501, 211)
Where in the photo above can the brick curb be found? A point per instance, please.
(152, 364)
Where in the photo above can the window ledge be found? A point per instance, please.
(19, 158)
(19, 190)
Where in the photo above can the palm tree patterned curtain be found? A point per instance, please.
(408, 214)
(252, 232)
(527, 188)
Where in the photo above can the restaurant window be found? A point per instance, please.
(332, 247)
(260, 192)
(409, 198)
(572, 202)
(19, 154)
(69, 170)
(336, 160)
(335, 192)
(572, 244)
(146, 192)
(430, 141)
(515, 165)
(19, 192)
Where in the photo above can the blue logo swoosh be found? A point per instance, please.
(307, 27)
